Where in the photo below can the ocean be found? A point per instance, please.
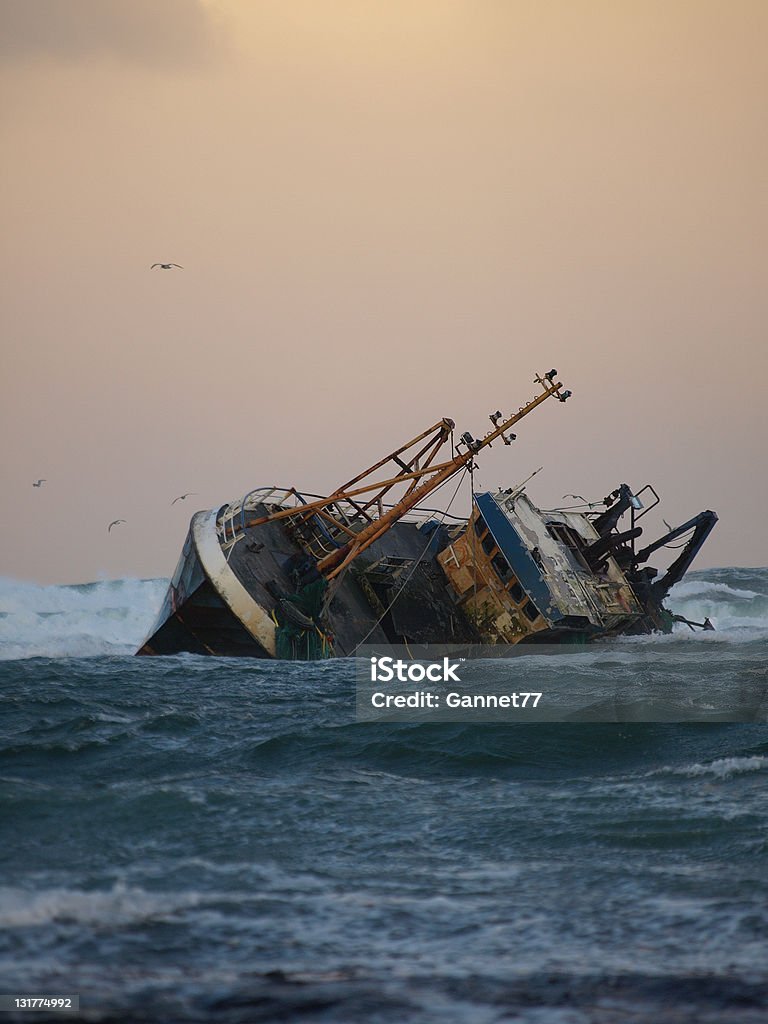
(204, 839)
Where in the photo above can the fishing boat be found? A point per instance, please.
(281, 573)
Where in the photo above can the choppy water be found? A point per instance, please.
(210, 839)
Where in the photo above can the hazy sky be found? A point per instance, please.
(387, 212)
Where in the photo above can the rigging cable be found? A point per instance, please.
(410, 573)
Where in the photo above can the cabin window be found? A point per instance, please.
(565, 535)
(531, 611)
(502, 567)
(556, 530)
(488, 543)
(479, 525)
(571, 539)
(516, 592)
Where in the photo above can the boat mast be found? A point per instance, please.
(335, 562)
(341, 512)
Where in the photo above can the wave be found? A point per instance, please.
(121, 905)
(79, 620)
(735, 600)
(112, 617)
(723, 768)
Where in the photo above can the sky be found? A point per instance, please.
(386, 213)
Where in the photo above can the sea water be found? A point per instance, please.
(208, 839)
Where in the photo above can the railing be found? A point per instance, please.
(228, 514)
(232, 518)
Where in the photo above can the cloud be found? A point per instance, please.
(152, 32)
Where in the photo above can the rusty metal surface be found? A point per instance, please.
(482, 598)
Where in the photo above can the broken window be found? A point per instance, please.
(502, 567)
(531, 611)
(570, 538)
(516, 592)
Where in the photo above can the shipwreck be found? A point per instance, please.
(281, 573)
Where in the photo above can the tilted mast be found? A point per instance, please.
(332, 564)
(341, 513)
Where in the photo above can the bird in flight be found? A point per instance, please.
(166, 266)
(580, 497)
(115, 522)
(38, 483)
(181, 497)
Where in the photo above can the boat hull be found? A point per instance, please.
(247, 583)
(206, 609)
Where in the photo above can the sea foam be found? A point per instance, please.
(82, 620)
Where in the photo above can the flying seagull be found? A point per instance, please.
(181, 497)
(39, 483)
(579, 496)
(166, 266)
(114, 522)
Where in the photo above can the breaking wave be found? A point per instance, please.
(735, 600)
(81, 620)
(121, 905)
(722, 768)
(112, 617)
